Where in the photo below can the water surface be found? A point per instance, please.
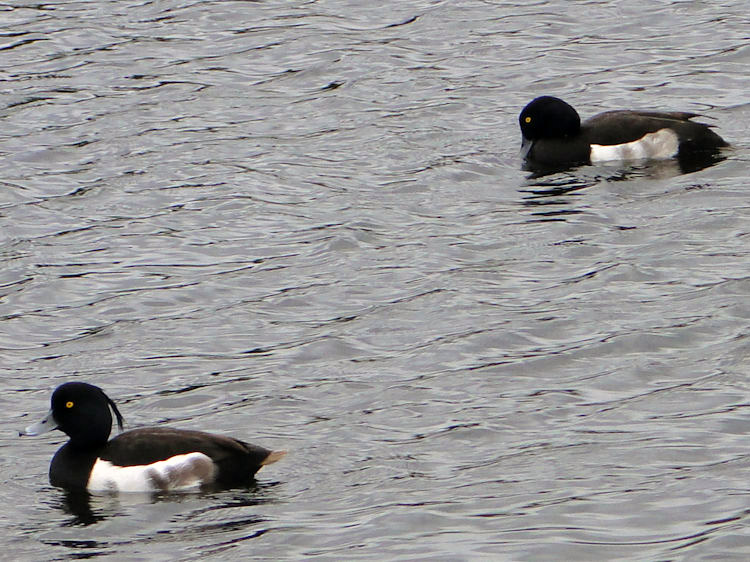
(306, 224)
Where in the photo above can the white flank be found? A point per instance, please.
(181, 472)
(658, 146)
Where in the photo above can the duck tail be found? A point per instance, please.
(272, 457)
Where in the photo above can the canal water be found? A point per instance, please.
(306, 224)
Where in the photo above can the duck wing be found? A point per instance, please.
(236, 460)
(619, 127)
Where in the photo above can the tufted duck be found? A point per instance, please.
(148, 459)
(553, 135)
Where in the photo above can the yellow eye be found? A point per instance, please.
(69, 404)
(527, 120)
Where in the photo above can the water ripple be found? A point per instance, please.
(308, 226)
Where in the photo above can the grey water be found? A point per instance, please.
(306, 224)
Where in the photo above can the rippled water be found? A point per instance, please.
(306, 224)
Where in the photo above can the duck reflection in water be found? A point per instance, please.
(88, 508)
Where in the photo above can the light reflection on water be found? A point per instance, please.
(307, 225)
